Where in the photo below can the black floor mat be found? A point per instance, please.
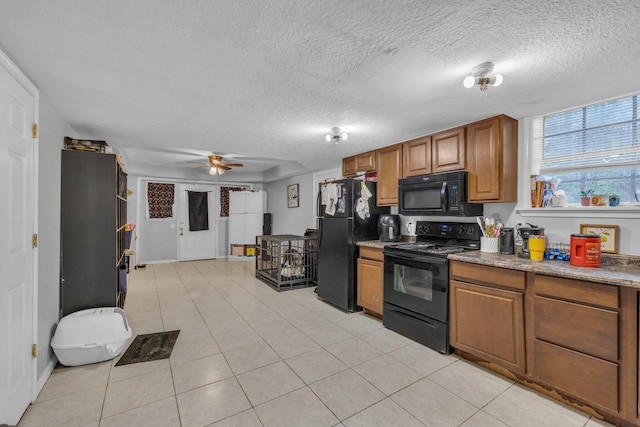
(148, 347)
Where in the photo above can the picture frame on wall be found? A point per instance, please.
(608, 236)
(293, 196)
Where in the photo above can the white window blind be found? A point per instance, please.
(599, 136)
(593, 147)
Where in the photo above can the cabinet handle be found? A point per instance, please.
(181, 231)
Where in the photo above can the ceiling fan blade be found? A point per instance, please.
(235, 165)
(225, 167)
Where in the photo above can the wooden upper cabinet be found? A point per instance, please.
(389, 171)
(349, 166)
(416, 156)
(363, 162)
(448, 150)
(492, 160)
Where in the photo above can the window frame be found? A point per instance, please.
(529, 134)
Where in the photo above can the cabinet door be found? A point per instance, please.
(254, 202)
(484, 160)
(236, 229)
(366, 162)
(363, 162)
(237, 202)
(492, 158)
(253, 228)
(417, 156)
(389, 171)
(370, 284)
(448, 150)
(488, 323)
(349, 166)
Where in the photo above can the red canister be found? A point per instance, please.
(585, 250)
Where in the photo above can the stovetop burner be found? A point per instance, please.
(429, 248)
(441, 239)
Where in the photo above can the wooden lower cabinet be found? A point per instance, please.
(370, 283)
(488, 323)
(578, 338)
(576, 343)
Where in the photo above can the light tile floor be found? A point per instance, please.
(250, 356)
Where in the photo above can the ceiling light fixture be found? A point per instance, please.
(336, 135)
(481, 76)
(216, 171)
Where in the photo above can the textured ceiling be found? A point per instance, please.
(166, 82)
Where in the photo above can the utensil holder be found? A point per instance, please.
(489, 244)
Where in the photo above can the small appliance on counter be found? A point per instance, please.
(506, 241)
(389, 228)
(585, 250)
(525, 233)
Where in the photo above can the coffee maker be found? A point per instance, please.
(525, 232)
(389, 228)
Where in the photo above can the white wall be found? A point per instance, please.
(157, 239)
(52, 130)
(287, 220)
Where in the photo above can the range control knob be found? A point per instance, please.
(468, 229)
(424, 228)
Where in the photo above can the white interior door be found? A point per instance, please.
(16, 253)
(194, 245)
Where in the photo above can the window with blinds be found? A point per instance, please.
(594, 147)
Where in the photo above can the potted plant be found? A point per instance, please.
(585, 197)
(614, 199)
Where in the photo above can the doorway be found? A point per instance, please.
(202, 243)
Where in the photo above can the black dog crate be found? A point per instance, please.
(287, 261)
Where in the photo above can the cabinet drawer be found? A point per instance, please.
(493, 276)
(586, 377)
(577, 290)
(371, 253)
(580, 327)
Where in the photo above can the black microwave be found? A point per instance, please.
(442, 194)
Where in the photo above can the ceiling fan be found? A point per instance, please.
(215, 165)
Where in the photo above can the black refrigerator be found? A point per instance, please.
(347, 213)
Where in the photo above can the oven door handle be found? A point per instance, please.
(415, 258)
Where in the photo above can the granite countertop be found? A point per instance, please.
(614, 270)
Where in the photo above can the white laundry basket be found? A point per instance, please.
(91, 336)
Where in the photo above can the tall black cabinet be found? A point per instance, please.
(93, 219)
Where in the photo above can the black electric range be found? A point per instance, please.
(416, 281)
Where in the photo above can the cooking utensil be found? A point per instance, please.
(480, 223)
